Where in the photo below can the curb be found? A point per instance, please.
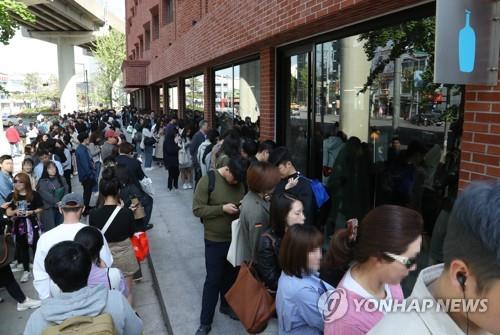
(163, 307)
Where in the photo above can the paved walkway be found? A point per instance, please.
(177, 253)
(146, 301)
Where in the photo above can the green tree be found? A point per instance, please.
(8, 25)
(406, 38)
(109, 51)
(33, 83)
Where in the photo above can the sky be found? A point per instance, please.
(24, 55)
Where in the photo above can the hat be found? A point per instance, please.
(72, 200)
(110, 133)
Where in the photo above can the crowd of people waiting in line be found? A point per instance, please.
(280, 235)
(235, 177)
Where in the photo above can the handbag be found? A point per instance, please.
(7, 249)
(250, 300)
(184, 157)
(149, 140)
(147, 186)
(140, 243)
(235, 254)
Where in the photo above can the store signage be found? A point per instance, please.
(467, 42)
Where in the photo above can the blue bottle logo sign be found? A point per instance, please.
(467, 45)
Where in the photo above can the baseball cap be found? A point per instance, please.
(110, 133)
(72, 200)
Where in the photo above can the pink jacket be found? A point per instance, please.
(12, 135)
(357, 323)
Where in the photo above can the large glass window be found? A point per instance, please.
(194, 96)
(173, 102)
(237, 94)
(363, 115)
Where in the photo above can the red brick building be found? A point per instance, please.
(296, 65)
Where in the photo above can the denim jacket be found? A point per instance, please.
(6, 185)
(297, 304)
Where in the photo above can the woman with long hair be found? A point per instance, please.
(299, 286)
(159, 135)
(27, 167)
(286, 211)
(147, 144)
(378, 255)
(52, 187)
(120, 229)
(25, 205)
(185, 159)
(171, 157)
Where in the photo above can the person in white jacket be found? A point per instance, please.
(462, 295)
(71, 208)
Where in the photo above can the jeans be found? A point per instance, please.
(147, 202)
(220, 277)
(148, 156)
(14, 149)
(87, 184)
(24, 248)
(8, 281)
(173, 177)
(97, 165)
(67, 176)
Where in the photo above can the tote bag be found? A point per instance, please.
(235, 253)
(250, 300)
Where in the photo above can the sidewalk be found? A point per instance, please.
(177, 255)
(146, 302)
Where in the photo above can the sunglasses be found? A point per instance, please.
(406, 261)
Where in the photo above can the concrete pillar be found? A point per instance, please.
(267, 93)
(208, 104)
(67, 77)
(354, 108)
(249, 90)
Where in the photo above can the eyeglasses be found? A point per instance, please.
(406, 261)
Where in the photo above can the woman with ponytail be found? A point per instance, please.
(119, 228)
(378, 254)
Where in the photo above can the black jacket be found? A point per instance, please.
(267, 259)
(304, 193)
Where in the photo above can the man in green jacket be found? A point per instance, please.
(216, 202)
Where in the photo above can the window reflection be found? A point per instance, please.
(237, 95)
(194, 96)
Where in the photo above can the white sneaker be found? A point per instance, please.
(148, 169)
(190, 186)
(28, 304)
(185, 186)
(25, 277)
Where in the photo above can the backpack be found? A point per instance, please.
(211, 185)
(84, 325)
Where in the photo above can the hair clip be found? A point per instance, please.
(352, 229)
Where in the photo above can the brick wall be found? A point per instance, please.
(480, 158)
(267, 96)
(228, 29)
